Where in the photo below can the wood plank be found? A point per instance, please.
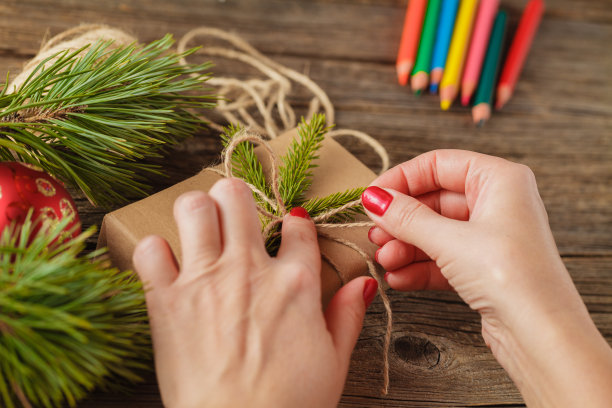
(438, 357)
(301, 28)
(563, 132)
(559, 123)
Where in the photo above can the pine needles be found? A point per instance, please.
(92, 115)
(68, 323)
(295, 177)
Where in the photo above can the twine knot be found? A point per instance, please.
(280, 210)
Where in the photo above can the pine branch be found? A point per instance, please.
(68, 323)
(295, 177)
(317, 206)
(92, 115)
(246, 165)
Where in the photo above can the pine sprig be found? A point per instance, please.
(68, 323)
(245, 163)
(92, 115)
(295, 175)
(317, 206)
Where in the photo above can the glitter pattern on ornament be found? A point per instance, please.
(24, 186)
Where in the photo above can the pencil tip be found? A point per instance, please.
(433, 88)
(445, 104)
(465, 100)
(480, 123)
(417, 92)
(402, 78)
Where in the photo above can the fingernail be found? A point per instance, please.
(299, 212)
(376, 200)
(376, 254)
(370, 233)
(369, 291)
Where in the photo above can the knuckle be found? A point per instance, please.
(298, 278)
(193, 200)
(522, 174)
(407, 213)
(233, 186)
(303, 233)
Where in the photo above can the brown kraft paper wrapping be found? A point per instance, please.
(337, 171)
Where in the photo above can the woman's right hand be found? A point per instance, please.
(460, 220)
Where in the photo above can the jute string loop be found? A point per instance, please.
(320, 223)
(268, 96)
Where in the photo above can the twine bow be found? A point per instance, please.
(279, 207)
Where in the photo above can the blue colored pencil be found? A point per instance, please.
(446, 24)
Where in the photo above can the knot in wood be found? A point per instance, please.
(417, 351)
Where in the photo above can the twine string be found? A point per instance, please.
(268, 97)
(320, 223)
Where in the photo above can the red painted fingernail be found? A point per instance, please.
(369, 291)
(376, 254)
(376, 200)
(370, 233)
(299, 212)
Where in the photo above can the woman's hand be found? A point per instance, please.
(476, 224)
(233, 327)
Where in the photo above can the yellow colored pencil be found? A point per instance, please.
(449, 87)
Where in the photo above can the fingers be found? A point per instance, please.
(418, 276)
(154, 263)
(435, 170)
(379, 237)
(396, 254)
(199, 231)
(447, 203)
(299, 242)
(345, 312)
(240, 226)
(411, 221)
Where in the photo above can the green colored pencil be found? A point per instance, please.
(481, 112)
(420, 73)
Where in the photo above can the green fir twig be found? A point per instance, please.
(68, 323)
(295, 177)
(91, 116)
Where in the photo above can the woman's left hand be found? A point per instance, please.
(234, 327)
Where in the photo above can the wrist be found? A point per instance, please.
(554, 354)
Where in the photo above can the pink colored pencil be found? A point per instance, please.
(480, 40)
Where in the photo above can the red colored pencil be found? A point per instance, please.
(527, 28)
(410, 39)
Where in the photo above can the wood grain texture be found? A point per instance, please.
(559, 123)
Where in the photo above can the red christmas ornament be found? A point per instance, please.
(24, 186)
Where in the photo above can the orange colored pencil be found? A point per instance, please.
(527, 28)
(409, 43)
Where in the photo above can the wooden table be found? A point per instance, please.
(559, 123)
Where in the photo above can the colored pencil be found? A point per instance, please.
(490, 68)
(519, 49)
(480, 39)
(420, 73)
(446, 23)
(409, 43)
(449, 86)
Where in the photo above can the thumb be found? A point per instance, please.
(345, 312)
(409, 220)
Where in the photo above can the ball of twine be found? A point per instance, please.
(71, 40)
